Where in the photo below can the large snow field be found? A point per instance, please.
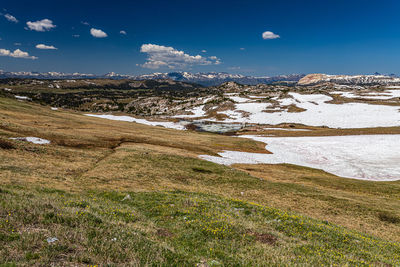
(367, 157)
(318, 113)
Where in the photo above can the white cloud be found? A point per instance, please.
(204, 51)
(17, 44)
(216, 60)
(98, 33)
(242, 48)
(123, 32)
(76, 35)
(48, 47)
(85, 23)
(164, 56)
(16, 54)
(41, 25)
(11, 18)
(269, 35)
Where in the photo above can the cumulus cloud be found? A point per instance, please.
(41, 25)
(269, 35)
(47, 47)
(123, 32)
(216, 60)
(164, 56)
(16, 54)
(204, 51)
(11, 18)
(98, 33)
(85, 23)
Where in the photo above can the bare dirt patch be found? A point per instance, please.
(264, 238)
(4, 144)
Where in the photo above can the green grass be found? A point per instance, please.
(172, 228)
(182, 211)
(361, 205)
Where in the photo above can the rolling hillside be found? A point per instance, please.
(120, 193)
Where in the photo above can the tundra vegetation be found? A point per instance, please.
(119, 193)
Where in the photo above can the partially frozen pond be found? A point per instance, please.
(366, 157)
(217, 127)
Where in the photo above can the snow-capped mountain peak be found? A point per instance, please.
(348, 79)
(206, 79)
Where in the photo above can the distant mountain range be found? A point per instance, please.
(377, 78)
(217, 78)
(206, 79)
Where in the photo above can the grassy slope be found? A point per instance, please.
(172, 228)
(181, 210)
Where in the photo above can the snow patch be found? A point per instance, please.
(206, 99)
(365, 157)
(386, 95)
(239, 99)
(197, 112)
(35, 140)
(166, 124)
(22, 97)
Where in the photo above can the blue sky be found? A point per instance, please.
(336, 37)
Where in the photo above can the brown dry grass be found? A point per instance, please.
(352, 203)
(71, 129)
(295, 109)
(110, 155)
